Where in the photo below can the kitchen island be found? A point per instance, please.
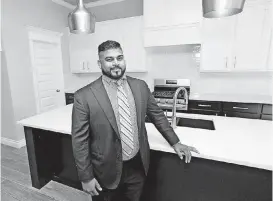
(235, 161)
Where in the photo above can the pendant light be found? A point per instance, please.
(222, 8)
(80, 21)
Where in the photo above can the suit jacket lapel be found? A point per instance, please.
(135, 88)
(103, 99)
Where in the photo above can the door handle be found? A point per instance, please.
(235, 59)
(58, 90)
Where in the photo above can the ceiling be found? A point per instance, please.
(74, 2)
(88, 3)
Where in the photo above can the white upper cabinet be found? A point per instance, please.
(171, 22)
(252, 41)
(217, 39)
(127, 31)
(238, 43)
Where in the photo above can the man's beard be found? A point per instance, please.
(114, 75)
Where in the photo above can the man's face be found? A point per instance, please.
(112, 63)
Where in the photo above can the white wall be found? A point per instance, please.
(18, 85)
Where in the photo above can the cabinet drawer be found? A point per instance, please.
(243, 115)
(254, 108)
(204, 105)
(266, 117)
(267, 109)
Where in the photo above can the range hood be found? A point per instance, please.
(221, 8)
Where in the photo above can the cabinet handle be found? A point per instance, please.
(241, 108)
(235, 59)
(83, 65)
(226, 61)
(202, 105)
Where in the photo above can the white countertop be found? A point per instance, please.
(235, 140)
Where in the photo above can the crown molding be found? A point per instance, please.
(88, 5)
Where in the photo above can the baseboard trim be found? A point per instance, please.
(13, 143)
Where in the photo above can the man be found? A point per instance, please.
(109, 137)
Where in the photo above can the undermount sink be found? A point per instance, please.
(192, 123)
(195, 123)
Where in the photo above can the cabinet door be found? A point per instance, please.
(217, 40)
(83, 55)
(251, 39)
(133, 45)
(158, 13)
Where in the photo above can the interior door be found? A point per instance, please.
(46, 57)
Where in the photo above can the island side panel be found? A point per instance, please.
(171, 179)
(44, 155)
(68, 174)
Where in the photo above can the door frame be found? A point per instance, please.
(44, 35)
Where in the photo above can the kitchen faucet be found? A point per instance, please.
(173, 124)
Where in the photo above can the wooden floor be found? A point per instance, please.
(16, 181)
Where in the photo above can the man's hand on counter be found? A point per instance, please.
(181, 149)
(91, 187)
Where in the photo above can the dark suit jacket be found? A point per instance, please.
(95, 138)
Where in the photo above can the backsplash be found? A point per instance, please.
(178, 62)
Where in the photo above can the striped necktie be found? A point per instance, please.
(126, 128)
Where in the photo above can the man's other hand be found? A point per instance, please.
(91, 187)
(181, 149)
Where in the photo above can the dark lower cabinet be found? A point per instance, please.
(267, 109)
(243, 110)
(266, 117)
(170, 179)
(205, 107)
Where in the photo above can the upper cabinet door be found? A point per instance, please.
(133, 45)
(217, 40)
(252, 39)
(158, 13)
(82, 53)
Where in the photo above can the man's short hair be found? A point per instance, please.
(107, 45)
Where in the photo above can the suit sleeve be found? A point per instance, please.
(80, 139)
(158, 118)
